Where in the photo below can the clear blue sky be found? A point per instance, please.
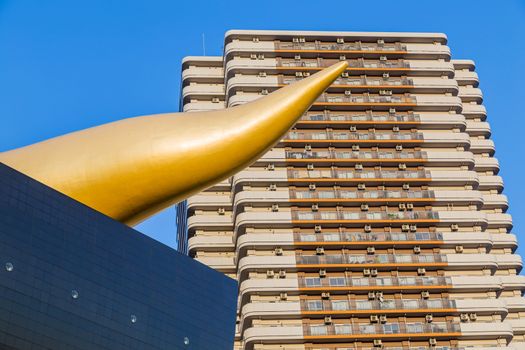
(67, 65)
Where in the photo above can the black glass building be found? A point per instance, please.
(73, 278)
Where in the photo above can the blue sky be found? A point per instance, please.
(67, 65)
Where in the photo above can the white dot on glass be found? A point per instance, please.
(133, 319)
(186, 341)
(74, 294)
(9, 267)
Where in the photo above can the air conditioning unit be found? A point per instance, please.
(463, 317)
(302, 40)
(255, 39)
(353, 128)
(322, 273)
(340, 40)
(417, 249)
(402, 206)
(429, 318)
(297, 57)
(413, 228)
(282, 274)
(382, 319)
(392, 111)
(405, 227)
(371, 295)
(308, 147)
(298, 74)
(345, 75)
(270, 167)
(454, 227)
(473, 316)
(410, 206)
(270, 274)
(355, 148)
(319, 250)
(402, 166)
(374, 318)
(273, 187)
(378, 343)
(421, 271)
(317, 228)
(395, 129)
(385, 92)
(306, 74)
(310, 166)
(361, 187)
(459, 249)
(253, 56)
(399, 148)
(383, 58)
(386, 76)
(366, 272)
(370, 250)
(342, 58)
(364, 207)
(215, 100)
(275, 207)
(425, 294)
(328, 320)
(315, 207)
(380, 42)
(221, 211)
(278, 251)
(358, 166)
(295, 40)
(373, 272)
(368, 228)
(432, 342)
(260, 57)
(379, 295)
(325, 295)
(283, 296)
(348, 92)
(406, 186)
(311, 187)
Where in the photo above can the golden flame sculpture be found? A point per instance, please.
(133, 168)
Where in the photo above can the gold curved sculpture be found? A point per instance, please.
(133, 168)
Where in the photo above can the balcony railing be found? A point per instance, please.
(379, 329)
(369, 216)
(369, 259)
(386, 304)
(356, 81)
(351, 174)
(356, 46)
(367, 237)
(360, 117)
(423, 281)
(347, 135)
(356, 63)
(343, 194)
(365, 98)
(329, 154)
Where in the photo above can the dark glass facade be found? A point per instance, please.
(72, 278)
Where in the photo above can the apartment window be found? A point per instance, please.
(318, 330)
(392, 328)
(312, 281)
(340, 305)
(314, 305)
(336, 281)
(343, 329)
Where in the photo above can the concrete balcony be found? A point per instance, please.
(518, 325)
(479, 330)
(199, 106)
(438, 103)
(463, 218)
(489, 182)
(197, 91)
(194, 73)
(481, 261)
(491, 201)
(262, 219)
(466, 78)
(499, 220)
(260, 197)
(218, 222)
(209, 201)
(223, 264)
(470, 94)
(514, 304)
(474, 111)
(486, 164)
(487, 283)
(267, 287)
(210, 243)
(264, 241)
(478, 128)
(509, 261)
(473, 239)
(504, 240)
(272, 335)
(264, 263)
(482, 306)
(482, 146)
(430, 68)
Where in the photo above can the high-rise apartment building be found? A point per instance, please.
(378, 222)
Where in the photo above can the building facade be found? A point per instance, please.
(74, 279)
(378, 221)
